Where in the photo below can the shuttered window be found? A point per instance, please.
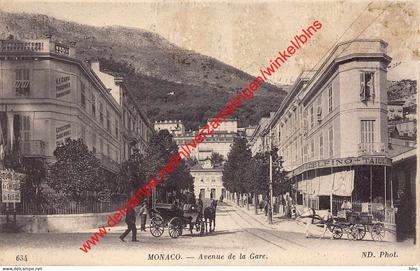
(331, 142)
(367, 131)
(22, 83)
(321, 146)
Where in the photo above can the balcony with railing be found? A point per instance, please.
(372, 148)
(108, 163)
(33, 148)
(35, 46)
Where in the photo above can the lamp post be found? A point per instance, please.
(270, 207)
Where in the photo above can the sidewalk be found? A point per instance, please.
(279, 223)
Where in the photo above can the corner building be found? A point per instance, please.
(331, 130)
(48, 95)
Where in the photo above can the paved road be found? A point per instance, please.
(237, 232)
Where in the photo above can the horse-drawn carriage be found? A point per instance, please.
(176, 219)
(355, 225)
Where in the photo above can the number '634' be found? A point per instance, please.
(21, 258)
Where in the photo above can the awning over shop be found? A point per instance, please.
(343, 183)
(339, 184)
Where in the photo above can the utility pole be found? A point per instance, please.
(270, 207)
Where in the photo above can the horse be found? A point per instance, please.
(308, 216)
(210, 215)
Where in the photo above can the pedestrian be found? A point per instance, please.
(200, 206)
(266, 207)
(143, 215)
(130, 219)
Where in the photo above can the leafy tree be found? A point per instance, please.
(191, 161)
(161, 148)
(234, 173)
(76, 171)
(216, 159)
(133, 173)
(260, 168)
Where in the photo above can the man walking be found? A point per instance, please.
(130, 219)
(143, 216)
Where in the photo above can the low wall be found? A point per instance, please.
(59, 223)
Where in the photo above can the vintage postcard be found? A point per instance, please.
(209, 133)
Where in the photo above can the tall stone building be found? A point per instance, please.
(48, 95)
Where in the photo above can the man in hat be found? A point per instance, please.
(130, 219)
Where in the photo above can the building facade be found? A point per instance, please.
(207, 177)
(208, 180)
(331, 131)
(135, 127)
(48, 95)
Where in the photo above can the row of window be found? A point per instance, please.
(322, 146)
(313, 113)
(104, 148)
(208, 179)
(111, 124)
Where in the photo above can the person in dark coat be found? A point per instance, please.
(130, 219)
(143, 216)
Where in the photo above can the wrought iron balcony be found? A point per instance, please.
(33, 148)
(108, 163)
(373, 148)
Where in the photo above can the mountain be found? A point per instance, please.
(169, 82)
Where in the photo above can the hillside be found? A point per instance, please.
(155, 68)
(404, 90)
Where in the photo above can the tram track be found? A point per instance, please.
(268, 228)
(252, 233)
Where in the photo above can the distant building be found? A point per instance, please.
(410, 111)
(207, 178)
(403, 128)
(175, 127)
(395, 110)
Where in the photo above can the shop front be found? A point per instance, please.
(362, 181)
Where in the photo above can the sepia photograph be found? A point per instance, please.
(209, 133)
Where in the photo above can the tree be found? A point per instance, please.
(216, 159)
(234, 173)
(260, 167)
(191, 161)
(76, 171)
(133, 173)
(161, 148)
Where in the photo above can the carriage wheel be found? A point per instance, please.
(337, 232)
(156, 226)
(358, 231)
(378, 232)
(175, 227)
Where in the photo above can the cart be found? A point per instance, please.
(356, 225)
(175, 219)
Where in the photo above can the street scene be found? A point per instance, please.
(131, 141)
(236, 229)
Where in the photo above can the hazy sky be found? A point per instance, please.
(247, 34)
